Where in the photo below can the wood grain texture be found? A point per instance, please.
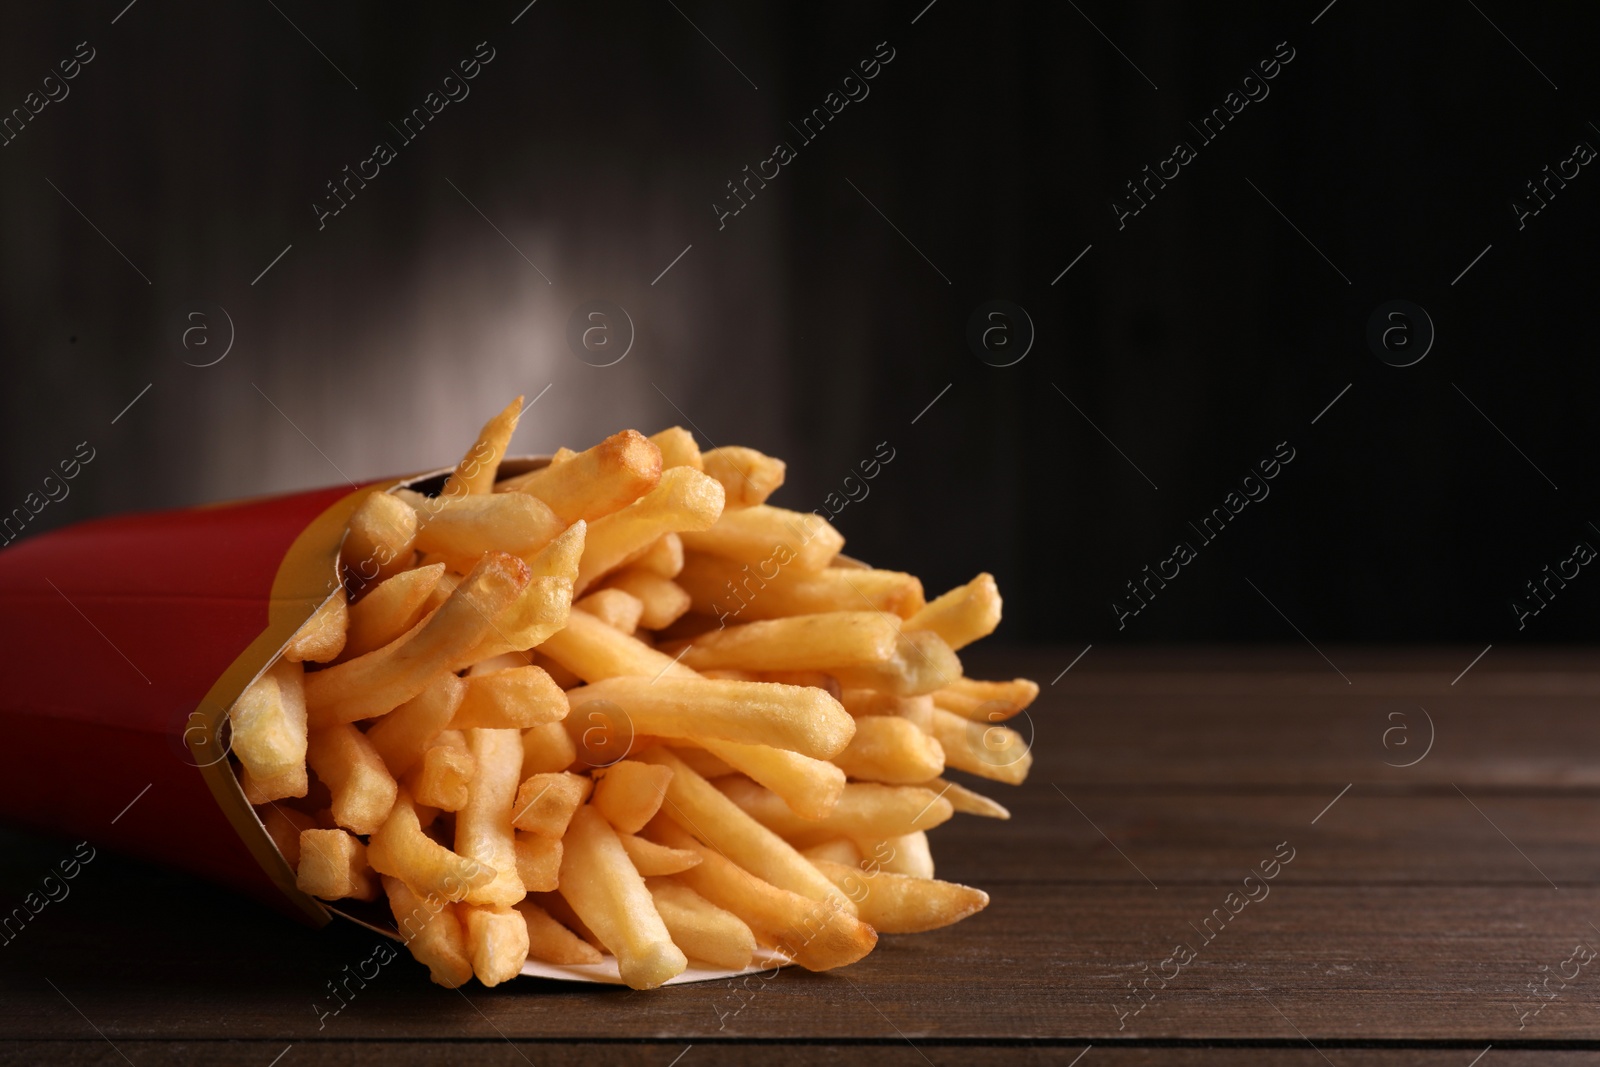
(1415, 913)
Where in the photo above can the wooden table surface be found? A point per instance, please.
(1429, 911)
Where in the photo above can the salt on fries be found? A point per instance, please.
(557, 716)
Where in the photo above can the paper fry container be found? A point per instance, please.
(127, 639)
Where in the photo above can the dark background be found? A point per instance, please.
(829, 314)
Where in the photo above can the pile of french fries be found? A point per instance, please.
(621, 705)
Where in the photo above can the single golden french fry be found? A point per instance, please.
(684, 500)
(651, 859)
(735, 590)
(701, 929)
(862, 702)
(283, 826)
(594, 651)
(962, 615)
(548, 940)
(431, 929)
(704, 763)
(662, 601)
(476, 471)
(989, 751)
(379, 542)
(333, 866)
(289, 783)
(815, 679)
(803, 720)
(546, 749)
(802, 643)
(545, 802)
(887, 748)
(697, 806)
(382, 680)
(402, 736)
(965, 800)
(538, 862)
(603, 479)
(460, 530)
(443, 777)
(269, 723)
(616, 608)
(818, 935)
(922, 662)
(834, 850)
(514, 697)
(767, 537)
(748, 476)
(389, 609)
(865, 810)
(809, 786)
(540, 610)
(603, 887)
(483, 827)
(986, 701)
(401, 849)
(560, 558)
(678, 448)
(663, 557)
(906, 854)
(322, 637)
(902, 904)
(562, 912)
(628, 793)
(349, 765)
(497, 939)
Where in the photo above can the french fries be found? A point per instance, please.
(622, 706)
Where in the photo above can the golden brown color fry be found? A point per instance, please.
(906, 854)
(684, 500)
(546, 749)
(510, 698)
(545, 802)
(431, 929)
(379, 542)
(887, 748)
(497, 939)
(628, 793)
(483, 827)
(663, 557)
(651, 859)
(538, 862)
(539, 611)
(460, 530)
(834, 850)
(965, 800)
(616, 608)
(678, 448)
(269, 724)
(811, 787)
(476, 471)
(748, 476)
(548, 940)
(322, 637)
(333, 866)
(403, 735)
(821, 642)
(700, 928)
(995, 752)
(281, 786)
(802, 720)
(443, 777)
(901, 904)
(962, 615)
(865, 810)
(986, 701)
(818, 935)
(382, 680)
(596, 482)
(922, 662)
(402, 850)
(662, 601)
(750, 592)
(594, 651)
(600, 883)
(696, 805)
(283, 826)
(363, 789)
(765, 536)
(389, 609)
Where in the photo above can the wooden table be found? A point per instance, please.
(1420, 904)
